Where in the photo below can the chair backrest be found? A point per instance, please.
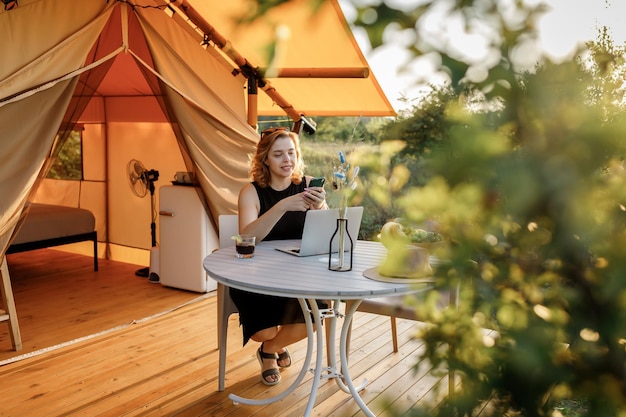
(228, 226)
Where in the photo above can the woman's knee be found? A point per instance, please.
(265, 334)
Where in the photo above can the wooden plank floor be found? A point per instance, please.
(59, 297)
(167, 365)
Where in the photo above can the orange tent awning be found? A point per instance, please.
(321, 70)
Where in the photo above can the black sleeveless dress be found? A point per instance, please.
(258, 311)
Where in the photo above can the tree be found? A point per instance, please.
(68, 162)
(606, 64)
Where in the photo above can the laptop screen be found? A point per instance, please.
(319, 226)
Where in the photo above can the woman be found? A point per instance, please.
(273, 207)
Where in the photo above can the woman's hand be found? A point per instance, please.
(315, 197)
(296, 202)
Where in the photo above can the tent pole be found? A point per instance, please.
(253, 102)
(246, 68)
(355, 72)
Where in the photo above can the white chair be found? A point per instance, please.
(395, 307)
(228, 226)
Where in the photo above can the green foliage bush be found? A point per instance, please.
(532, 194)
(530, 188)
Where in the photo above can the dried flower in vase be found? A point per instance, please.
(344, 181)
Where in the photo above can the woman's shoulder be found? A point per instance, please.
(247, 195)
(247, 188)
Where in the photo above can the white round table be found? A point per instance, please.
(273, 272)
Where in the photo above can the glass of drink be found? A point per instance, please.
(244, 246)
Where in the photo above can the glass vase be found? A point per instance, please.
(343, 204)
(342, 240)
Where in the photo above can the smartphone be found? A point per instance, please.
(317, 182)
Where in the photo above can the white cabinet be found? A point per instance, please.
(186, 237)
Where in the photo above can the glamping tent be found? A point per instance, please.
(176, 85)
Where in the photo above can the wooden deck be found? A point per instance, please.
(109, 343)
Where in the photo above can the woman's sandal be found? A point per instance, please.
(260, 355)
(285, 356)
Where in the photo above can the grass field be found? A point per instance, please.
(321, 158)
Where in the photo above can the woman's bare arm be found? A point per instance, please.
(249, 208)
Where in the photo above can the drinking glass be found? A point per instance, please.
(244, 247)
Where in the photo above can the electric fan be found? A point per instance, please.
(141, 181)
(137, 177)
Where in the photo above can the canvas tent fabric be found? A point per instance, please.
(137, 80)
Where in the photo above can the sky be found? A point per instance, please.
(569, 24)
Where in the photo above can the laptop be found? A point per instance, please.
(319, 226)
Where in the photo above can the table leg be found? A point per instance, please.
(332, 356)
(307, 361)
(319, 354)
(331, 370)
(315, 331)
(343, 354)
